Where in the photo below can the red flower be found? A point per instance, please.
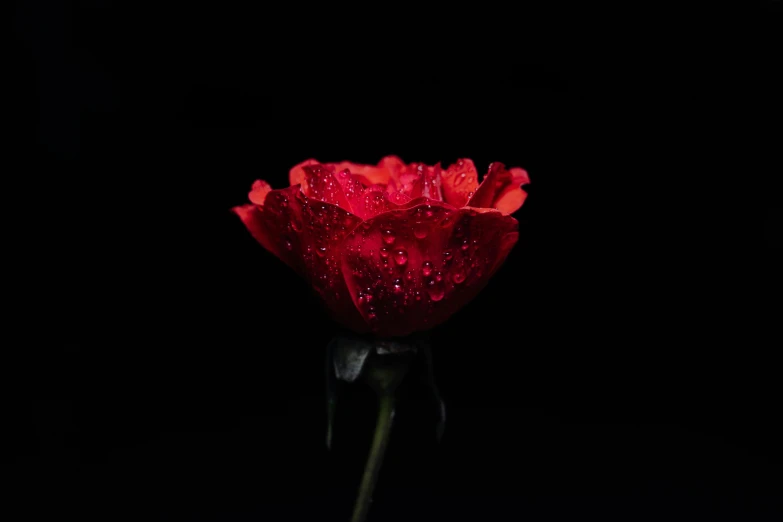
(392, 248)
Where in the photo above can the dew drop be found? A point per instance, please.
(438, 276)
(459, 179)
(398, 287)
(288, 245)
(465, 245)
(321, 251)
(384, 252)
(426, 269)
(458, 276)
(401, 256)
(409, 276)
(435, 290)
(447, 255)
(388, 236)
(420, 230)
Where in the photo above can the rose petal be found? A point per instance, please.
(512, 197)
(420, 180)
(307, 234)
(383, 262)
(387, 169)
(459, 182)
(297, 176)
(259, 191)
(325, 227)
(322, 185)
(275, 225)
(501, 189)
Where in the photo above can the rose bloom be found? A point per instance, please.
(393, 248)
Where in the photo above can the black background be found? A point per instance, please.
(615, 368)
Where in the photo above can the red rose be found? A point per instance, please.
(392, 248)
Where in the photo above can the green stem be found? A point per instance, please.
(375, 459)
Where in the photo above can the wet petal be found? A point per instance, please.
(459, 182)
(297, 176)
(387, 169)
(410, 269)
(501, 189)
(307, 235)
(322, 185)
(275, 225)
(420, 180)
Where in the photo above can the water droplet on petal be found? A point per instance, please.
(388, 236)
(420, 230)
(398, 287)
(384, 252)
(288, 245)
(465, 245)
(447, 255)
(435, 289)
(438, 276)
(426, 268)
(458, 276)
(321, 251)
(401, 256)
(409, 277)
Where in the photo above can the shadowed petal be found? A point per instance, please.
(307, 234)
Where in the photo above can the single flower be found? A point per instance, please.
(393, 248)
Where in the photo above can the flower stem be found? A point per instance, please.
(375, 459)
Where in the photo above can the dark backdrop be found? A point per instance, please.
(613, 369)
